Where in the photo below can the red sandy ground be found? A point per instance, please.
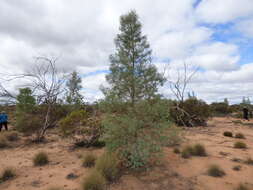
(175, 173)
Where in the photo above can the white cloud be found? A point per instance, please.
(222, 11)
(246, 27)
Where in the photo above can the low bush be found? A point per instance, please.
(95, 181)
(89, 160)
(7, 174)
(237, 168)
(3, 141)
(176, 150)
(11, 135)
(40, 159)
(215, 171)
(239, 136)
(228, 134)
(240, 145)
(107, 165)
(241, 187)
(249, 161)
(191, 112)
(198, 150)
(187, 152)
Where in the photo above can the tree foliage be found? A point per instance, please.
(132, 76)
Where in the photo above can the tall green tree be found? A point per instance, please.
(132, 75)
(73, 95)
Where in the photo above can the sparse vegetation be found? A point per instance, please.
(7, 174)
(215, 171)
(198, 150)
(11, 135)
(240, 145)
(249, 161)
(237, 168)
(176, 150)
(107, 165)
(40, 159)
(187, 152)
(3, 141)
(228, 134)
(89, 160)
(95, 181)
(239, 136)
(242, 187)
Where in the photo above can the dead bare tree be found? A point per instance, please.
(178, 87)
(47, 84)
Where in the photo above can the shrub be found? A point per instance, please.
(237, 168)
(3, 141)
(95, 181)
(40, 159)
(11, 135)
(240, 144)
(249, 161)
(89, 160)
(228, 134)
(198, 150)
(239, 136)
(138, 136)
(7, 174)
(85, 130)
(215, 171)
(191, 112)
(187, 152)
(241, 187)
(176, 150)
(107, 165)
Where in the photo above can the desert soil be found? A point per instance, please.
(174, 172)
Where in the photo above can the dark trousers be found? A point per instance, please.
(5, 125)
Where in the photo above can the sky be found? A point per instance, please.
(212, 35)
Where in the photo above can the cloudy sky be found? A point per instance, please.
(214, 35)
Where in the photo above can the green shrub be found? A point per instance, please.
(176, 150)
(40, 159)
(215, 171)
(138, 136)
(7, 174)
(89, 160)
(249, 161)
(3, 141)
(88, 128)
(107, 165)
(95, 181)
(191, 112)
(228, 134)
(239, 136)
(241, 187)
(11, 135)
(198, 150)
(187, 152)
(240, 145)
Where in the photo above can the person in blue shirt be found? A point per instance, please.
(3, 121)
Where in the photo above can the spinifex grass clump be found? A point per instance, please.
(107, 165)
(7, 174)
(228, 134)
(242, 187)
(95, 181)
(249, 161)
(239, 136)
(176, 150)
(240, 144)
(195, 150)
(215, 171)
(89, 160)
(40, 159)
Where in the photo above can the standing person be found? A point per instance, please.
(245, 113)
(4, 121)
